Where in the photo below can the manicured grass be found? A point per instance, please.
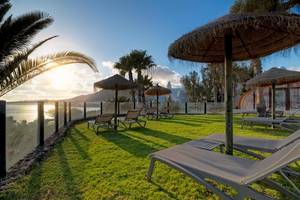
(113, 165)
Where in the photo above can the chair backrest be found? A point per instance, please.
(103, 118)
(273, 163)
(152, 110)
(132, 114)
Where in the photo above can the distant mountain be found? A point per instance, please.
(178, 94)
(103, 95)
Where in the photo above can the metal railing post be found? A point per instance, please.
(69, 111)
(205, 107)
(185, 108)
(65, 114)
(118, 108)
(40, 124)
(2, 139)
(56, 117)
(84, 110)
(101, 108)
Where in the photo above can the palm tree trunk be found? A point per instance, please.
(140, 84)
(132, 90)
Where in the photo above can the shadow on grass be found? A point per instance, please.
(81, 151)
(70, 184)
(163, 135)
(179, 121)
(128, 144)
(148, 141)
(79, 133)
(34, 184)
(160, 188)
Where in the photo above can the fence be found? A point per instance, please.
(25, 126)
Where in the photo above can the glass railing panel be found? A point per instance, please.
(21, 130)
(92, 109)
(49, 122)
(60, 114)
(76, 110)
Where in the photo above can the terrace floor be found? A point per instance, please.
(113, 165)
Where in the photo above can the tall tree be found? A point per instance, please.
(138, 61)
(193, 86)
(125, 65)
(141, 62)
(15, 37)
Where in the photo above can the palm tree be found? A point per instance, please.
(141, 61)
(146, 82)
(124, 65)
(15, 36)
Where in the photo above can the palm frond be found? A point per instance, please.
(4, 8)
(30, 68)
(13, 61)
(16, 33)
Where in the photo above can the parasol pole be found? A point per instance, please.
(116, 107)
(157, 103)
(273, 101)
(228, 92)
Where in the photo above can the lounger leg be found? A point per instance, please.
(151, 168)
(244, 191)
(221, 148)
(278, 187)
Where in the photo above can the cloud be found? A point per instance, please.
(294, 68)
(73, 80)
(108, 68)
(163, 74)
(60, 83)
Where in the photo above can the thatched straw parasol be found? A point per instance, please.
(157, 91)
(115, 82)
(237, 37)
(272, 77)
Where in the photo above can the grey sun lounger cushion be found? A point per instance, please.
(227, 167)
(265, 145)
(236, 172)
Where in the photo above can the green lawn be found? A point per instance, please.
(113, 165)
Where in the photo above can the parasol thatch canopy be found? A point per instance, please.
(277, 76)
(114, 82)
(237, 37)
(157, 90)
(253, 35)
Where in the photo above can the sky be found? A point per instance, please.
(108, 29)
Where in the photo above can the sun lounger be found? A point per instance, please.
(238, 173)
(285, 123)
(165, 113)
(132, 117)
(101, 121)
(258, 144)
(151, 113)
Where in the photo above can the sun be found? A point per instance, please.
(59, 78)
